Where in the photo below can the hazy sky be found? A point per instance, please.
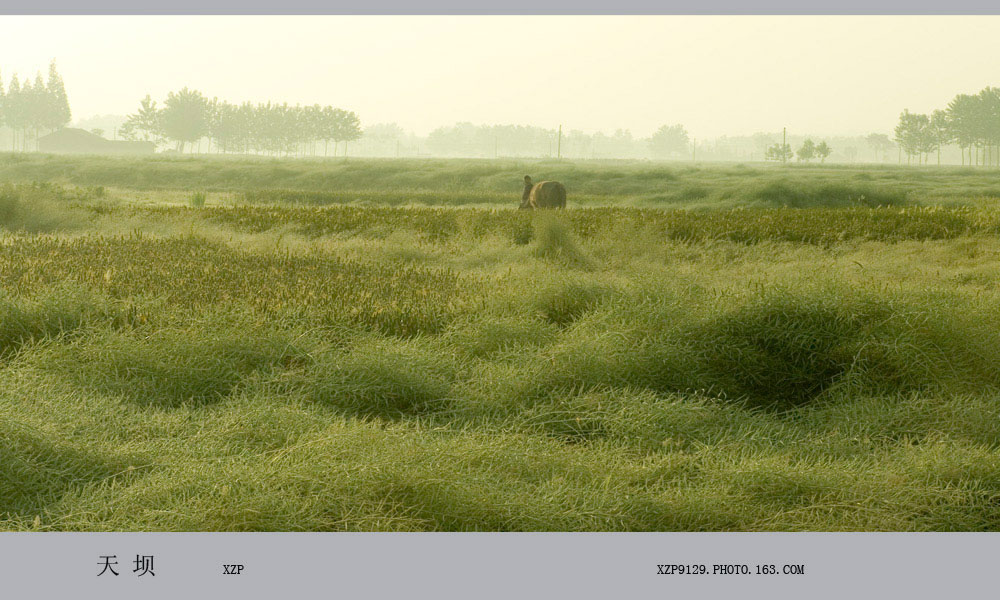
(715, 75)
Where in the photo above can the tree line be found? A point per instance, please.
(468, 139)
(971, 121)
(808, 151)
(31, 109)
(187, 116)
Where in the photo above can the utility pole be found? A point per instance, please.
(559, 144)
(694, 149)
(784, 155)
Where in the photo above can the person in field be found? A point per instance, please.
(545, 194)
(527, 190)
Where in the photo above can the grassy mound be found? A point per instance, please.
(801, 194)
(782, 349)
(172, 368)
(50, 313)
(387, 379)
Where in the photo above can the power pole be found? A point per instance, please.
(784, 155)
(694, 149)
(559, 144)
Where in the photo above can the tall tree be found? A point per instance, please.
(962, 115)
(879, 143)
(13, 114)
(940, 131)
(912, 134)
(822, 151)
(146, 124)
(3, 104)
(669, 140)
(38, 107)
(989, 109)
(185, 117)
(807, 151)
(779, 152)
(58, 114)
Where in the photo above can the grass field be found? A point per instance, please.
(387, 345)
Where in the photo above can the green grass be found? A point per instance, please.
(453, 183)
(789, 358)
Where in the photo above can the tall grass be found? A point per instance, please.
(786, 365)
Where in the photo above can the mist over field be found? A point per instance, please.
(499, 274)
(503, 86)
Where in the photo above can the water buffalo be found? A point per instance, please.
(544, 194)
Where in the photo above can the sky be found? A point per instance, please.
(716, 75)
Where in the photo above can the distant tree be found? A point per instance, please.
(384, 132)
(879, 143)
(340, 126)
(621, 143)
(386, 137)
(13, 113)
(38, 108)
(97, 132)
(807, 151)
(146, 124)
(3, 104)
(58, 114)
(989, 124)
(779, 152)
(939, 130)
(30, 109)
(962, 114)
(669, 140)
(185, 117)
(761, 142)
(823, 151)
(912, 134)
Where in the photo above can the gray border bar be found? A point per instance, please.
(503, 566)
(499, 7)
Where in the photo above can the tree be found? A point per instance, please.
(3, 104)
(669, 140)
(823, 151)
(388, 136)
(58, 114)
(807, 151)
(779, 152)
(31, 108)
(38, 107)
(13, 116)
(962, 122)
(146, 124)
(989, 123)
(340, 126)
(185, 117)
(384, 132)
(939, 132)
(912, 134)
(880, 143)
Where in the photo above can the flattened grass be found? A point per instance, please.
(298, 368)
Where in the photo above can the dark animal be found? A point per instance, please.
(544, 194)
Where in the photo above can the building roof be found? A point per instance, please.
(72, 140)
(71, 134)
